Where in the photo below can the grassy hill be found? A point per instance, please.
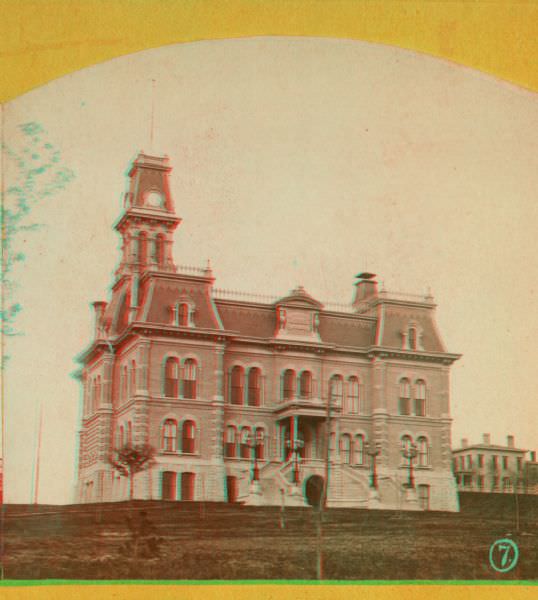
(223, 541)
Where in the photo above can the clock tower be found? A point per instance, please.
(148, 222)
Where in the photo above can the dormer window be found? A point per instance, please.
(182, 314)
(412, 337)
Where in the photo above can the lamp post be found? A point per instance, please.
(373, 450)
(410, 452)
(295, 447)
(254, 443)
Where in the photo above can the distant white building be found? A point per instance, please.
(487, 467)
(257, 399)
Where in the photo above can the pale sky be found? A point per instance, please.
(296, 161)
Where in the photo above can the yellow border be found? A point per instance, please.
(44, 39)
(270, 592)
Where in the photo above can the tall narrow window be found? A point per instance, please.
(230, 442)
(420, 398)
(412, 338)
(358, 449)
(236, 388)
(335, 390)
(126, 383)
(129, 433)
(259, 434)
(171, 377)
(288, 384)
(405, 397)
(169, 437)
(345, 448)
(168, 485)
(159, 250)
(406, 442)
(132, 378)
(183, 314)
(188, 433)
(143, 248)
(189, 379)
(353, 396)
(254, 387)
(424, 496)
(187, 486)
(245, 439)
(305, 385)
(423, 452)
(121, 437)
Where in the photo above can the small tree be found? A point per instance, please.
(130, 460)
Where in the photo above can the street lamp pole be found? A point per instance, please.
(295, 447)
(254, 443)
(410, 452)
(373, 450)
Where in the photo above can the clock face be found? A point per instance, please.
(155, 200)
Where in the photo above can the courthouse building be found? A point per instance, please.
(257, 399)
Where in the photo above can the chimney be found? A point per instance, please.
(533, 455)
(464, 442)
(487, 439)
(510, 441)
(365, 288)
(99, 309)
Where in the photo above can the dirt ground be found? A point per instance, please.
(203, 541)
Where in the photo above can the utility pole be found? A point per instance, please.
(38, 455)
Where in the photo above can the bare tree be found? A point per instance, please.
(130, 460)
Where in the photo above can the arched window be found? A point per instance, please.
(171, 377)
(245, 440)
(288, 384)
(132, 379)
(129, 433)
(335, 390)
(412, 337)
(420, 398)
(98, 393)
(353, 395)
(93, 395)
(189, 378)
(123, 383)
(188, 434)
(169, 436)
(406, 442)
(236, 388)
(159, 250)
(345, 448)
(358, 449)
(230, 442)
(305, 385)
(143, 248)
(259, 434)
(126, 382)
(423, 452)
(183, 314)
(254, 387)
(404, 407)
